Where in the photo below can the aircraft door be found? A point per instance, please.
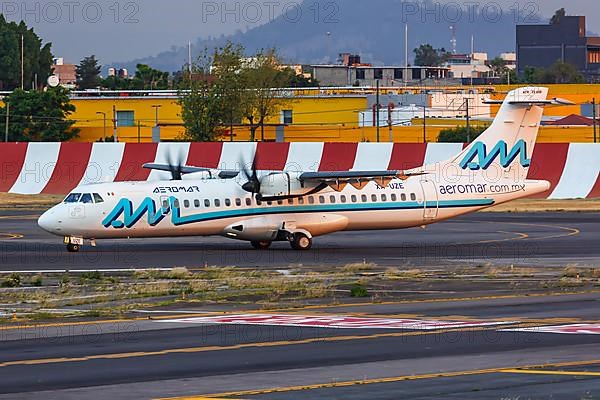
(431, 203)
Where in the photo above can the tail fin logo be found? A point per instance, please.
(485, 159)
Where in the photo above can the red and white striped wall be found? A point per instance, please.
(56, 168)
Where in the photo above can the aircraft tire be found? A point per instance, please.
(72, 248)
(301, 242)
(260, 244)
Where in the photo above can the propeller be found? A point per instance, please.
(253, 183)
(175, 167)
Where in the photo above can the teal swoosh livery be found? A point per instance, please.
(125, 208)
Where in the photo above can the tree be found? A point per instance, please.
(427, 56)
(460, 134)
(39, 116)
(263, 77)
(147, 78)
(498, 66)
(37, 57)
(559, 72)
(558, 16)
(200, 103)
(88, 73)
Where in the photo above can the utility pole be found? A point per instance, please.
(389, 121)
(468, 121)
(594, 116)
(22, 62)
(424, 123)
(115, 124)
(156, 107)
(377, 110)
(7, 122)
(104, 119)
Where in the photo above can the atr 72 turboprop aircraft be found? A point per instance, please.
(298, 206)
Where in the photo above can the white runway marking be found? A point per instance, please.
(573, 329)
(334, 321)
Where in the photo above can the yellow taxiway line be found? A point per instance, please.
(551, 372)
(188, 350)
(391, 380)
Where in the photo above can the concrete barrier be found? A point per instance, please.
(56, 168)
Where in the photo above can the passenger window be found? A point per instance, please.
(238, 202)
(363, 197)
(86, 199)
(197, 203)
(394, 197)
(413, 196)
(98, 198)
(206, 203)
(300, 200)
(186, 203)
(269, 203)
(176, 203)
(332, 199)
(280, 202)
(353, 198)
(403, 197)
(311, 200)
(228, 202)
(383, 197)
(374, 197)
(217, 203)
(258, 202)
(322, 199)
(290, 201)
(343, 199)
(165, 204)
(248, 201)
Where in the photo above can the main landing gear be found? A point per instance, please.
(301, 241)
(298, 241)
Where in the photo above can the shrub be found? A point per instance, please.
(358, 291)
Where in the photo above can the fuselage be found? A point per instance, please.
(207, 207)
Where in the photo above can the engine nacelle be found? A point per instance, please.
(259, 229)
(283, 184)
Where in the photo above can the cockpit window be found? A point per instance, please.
(98, 198)
(86, 198)
(73, 198)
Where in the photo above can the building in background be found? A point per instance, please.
(541, 46)
(66, 73)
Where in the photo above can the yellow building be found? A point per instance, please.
(328, 114)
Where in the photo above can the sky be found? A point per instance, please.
(121, 30)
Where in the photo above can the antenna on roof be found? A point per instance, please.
(453, 40)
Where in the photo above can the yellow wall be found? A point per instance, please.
(319, 115)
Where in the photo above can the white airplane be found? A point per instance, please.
(296, 206)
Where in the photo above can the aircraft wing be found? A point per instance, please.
(186, 169)
(359, 179)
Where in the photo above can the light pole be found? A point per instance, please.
(104, 119)
(7, 121)
(156, 108)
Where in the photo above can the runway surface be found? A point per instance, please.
(551, 239)
(169, 358)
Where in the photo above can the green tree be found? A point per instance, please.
(200, 103)
(88, 73)
(37, 57)
(559, 72)
(427, 56)
(558, 16)
(459, 134)
(39, 116)
(264, 78)
(147, 78)
(498, 66)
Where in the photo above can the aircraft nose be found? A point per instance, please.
(49, 222)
